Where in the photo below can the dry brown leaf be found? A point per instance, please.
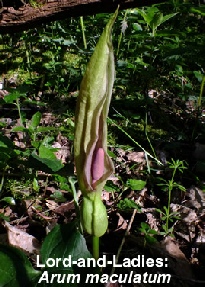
(21, 239)
(180, 264)
(172, 248)
(120, 152)
(152, 221)
(28, 204)
(196, 199)
(106, 195)
(51, 204)
(42, 215)
(122, 223)
(63, 151)
(65, 207)
(8, 211)
(136, 157)
(48, 118)
(51, 189)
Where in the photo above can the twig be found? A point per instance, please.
(123, 240)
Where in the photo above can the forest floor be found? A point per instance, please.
(153, 212)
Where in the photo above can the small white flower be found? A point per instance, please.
(124, 26)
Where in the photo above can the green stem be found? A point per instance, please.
(28, 57)
(72, 182)
(2, 181)
(201, 92)
(95, 247)
(83, 32)
(19, 111)
(169, 199)
(168, 207)
(194, 132)
(121, 35)
(134, 141)
(148, 139)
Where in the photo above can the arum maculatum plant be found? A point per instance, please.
(93, 165)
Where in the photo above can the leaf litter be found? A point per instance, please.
(185, 250)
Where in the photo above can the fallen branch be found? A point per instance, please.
(26, 16)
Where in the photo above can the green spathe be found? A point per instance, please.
(93, 164)
(94, 215)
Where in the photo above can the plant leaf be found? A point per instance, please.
(136, 184)
(35, 121)
(66, 241)
(53, 163)
(15, 268)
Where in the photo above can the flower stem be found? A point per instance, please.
(95, 247)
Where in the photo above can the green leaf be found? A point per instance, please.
(59, 243)
(35, 185)
(181, 187)
(144, 226)
(15, 269)
(136, 184)
(167, 17)
(111, 187)
(58, 196)
(4, 159)
(19, 129)
(111, 154)
(53, 164)
(4, 217)
(137, 27)
(153, 231)
(35, 120)
(7, 151)
(63, 182)
(45, 129)
(127, 204)
(5, 142)
(156, 21)
(148, 14)
(159, 210)
(47, 141)
(150, 239)
(8, 199)
(11, 98)
(154, 18)
(198, 10)
(65, 241)
(199, 75)
(35, 144)
(47, 152)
